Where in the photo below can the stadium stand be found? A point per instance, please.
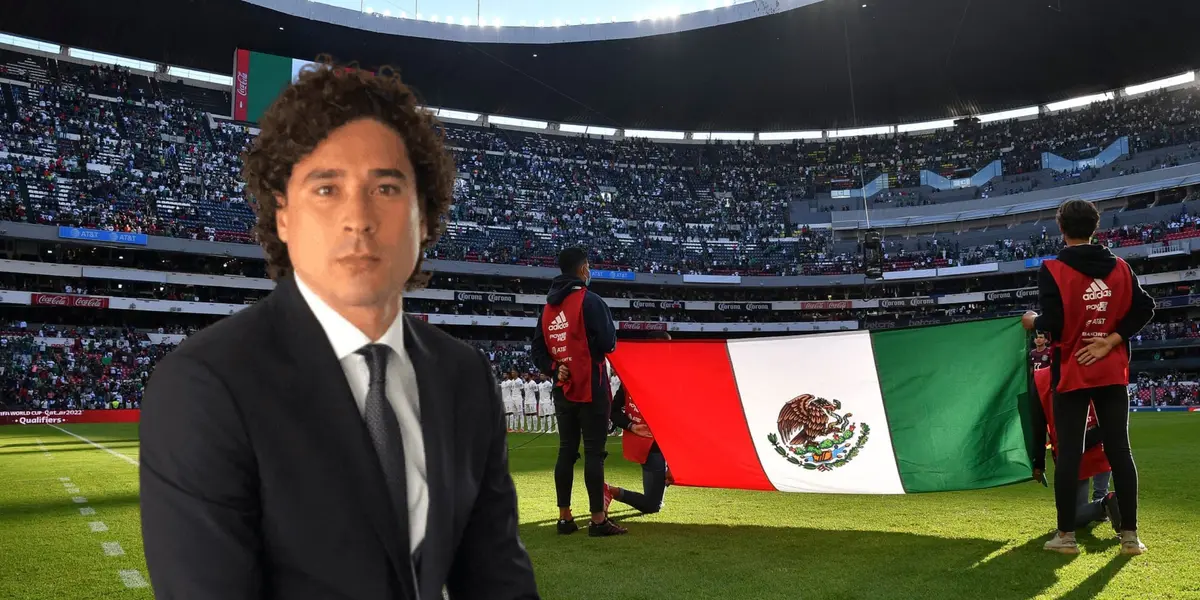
(110, 149)
(106, 148)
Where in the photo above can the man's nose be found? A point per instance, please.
(359, 215)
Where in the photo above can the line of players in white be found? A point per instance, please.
(527, 403)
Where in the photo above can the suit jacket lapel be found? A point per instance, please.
(321, 390)
(437, 423)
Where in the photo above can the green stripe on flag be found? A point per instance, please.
(954, 397)
(269, 74)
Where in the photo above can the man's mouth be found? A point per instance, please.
(359, 261)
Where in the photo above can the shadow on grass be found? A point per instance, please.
(82, 446)
(68, 443)
(21, 511)
(1097, 538)
(1096, 582)
(667, 560)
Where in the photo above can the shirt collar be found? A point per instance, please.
(345, 338)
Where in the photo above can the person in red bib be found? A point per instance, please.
(1094, 467)
(574, 334)
(1039, 357)
(640, 448)
(1091, 305)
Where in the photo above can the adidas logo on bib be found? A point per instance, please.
(559, 323)
(1097, 291)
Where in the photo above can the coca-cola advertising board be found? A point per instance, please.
(827, 305)
(65, 417)
(68, 300)
(241, 85)
(641, 326)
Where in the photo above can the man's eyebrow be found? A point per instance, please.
(395, 173)
(322, 174)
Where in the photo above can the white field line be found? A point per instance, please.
(132, 578)
(104, 448)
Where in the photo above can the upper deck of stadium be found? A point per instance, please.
(148, 148)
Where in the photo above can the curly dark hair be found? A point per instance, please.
(325, 97)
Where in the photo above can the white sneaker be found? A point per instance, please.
(1063, 543)
(1130, 544)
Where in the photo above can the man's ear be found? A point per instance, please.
(281, 217)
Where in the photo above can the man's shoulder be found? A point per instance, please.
(232, 338)
(443, 345)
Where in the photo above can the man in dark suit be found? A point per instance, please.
(321, 444)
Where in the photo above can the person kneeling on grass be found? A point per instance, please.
(639, 447)
(1101, 504)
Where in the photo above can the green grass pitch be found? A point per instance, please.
(705, 544)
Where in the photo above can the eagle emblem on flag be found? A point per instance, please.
(814, 436)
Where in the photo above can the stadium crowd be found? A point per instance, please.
(106, 148)
(1170, 389)
(130, 157)
(75, 368)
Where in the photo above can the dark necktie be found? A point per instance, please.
(385, 436)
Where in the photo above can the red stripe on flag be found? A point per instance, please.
(687, 393)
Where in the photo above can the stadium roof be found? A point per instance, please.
(833, 64)
(532, 13)
(530, 21)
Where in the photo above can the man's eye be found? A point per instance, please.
(388, 189)
(325, 190)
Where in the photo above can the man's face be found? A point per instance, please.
(351, 218)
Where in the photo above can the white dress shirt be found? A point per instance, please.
(401, 391)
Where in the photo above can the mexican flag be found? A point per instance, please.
(889, 412)
(258, 79)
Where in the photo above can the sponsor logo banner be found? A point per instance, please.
(1036, 262)
(641, 326)
(99, 235)
(1177, 301)
(827, 305)
(1021, 294)
(241, 85)
(57, 417)
(663, 304)
(613, 275)
(909, 321)
(743, 306)
(906, 302)
(484, 297)
(68, 300)
(880, 324)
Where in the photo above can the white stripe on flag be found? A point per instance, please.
(771, 372)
